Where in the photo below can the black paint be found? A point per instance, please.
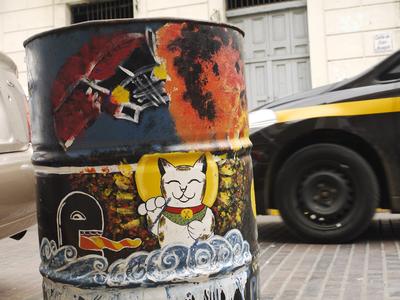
(197, 42)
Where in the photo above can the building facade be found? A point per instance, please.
(290, 46)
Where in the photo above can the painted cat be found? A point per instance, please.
(179, 216)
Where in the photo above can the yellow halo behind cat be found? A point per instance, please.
(148, 177)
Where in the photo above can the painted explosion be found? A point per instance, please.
(196, 70)
(206, 81)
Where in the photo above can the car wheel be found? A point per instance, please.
(326, 193)
(19, 235)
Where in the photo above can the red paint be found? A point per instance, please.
(87, 244)
(178, 210)
(96, 60)
(90, 170)
(105, 170)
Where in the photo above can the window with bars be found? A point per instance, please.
(101, 10)
(233, 4)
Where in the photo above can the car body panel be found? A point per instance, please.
(364, 110)
(17, 185)
(371, 77)
(14, 133)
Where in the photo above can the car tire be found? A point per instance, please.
(19, 235)
(326, 193)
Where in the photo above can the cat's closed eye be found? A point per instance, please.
(194, 180)
(172, 181)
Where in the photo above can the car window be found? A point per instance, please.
(391, 74)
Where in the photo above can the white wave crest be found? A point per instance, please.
(172, 263)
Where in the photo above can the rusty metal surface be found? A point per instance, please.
(142, 159)
(129, 21)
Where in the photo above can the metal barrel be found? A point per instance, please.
(142, 161)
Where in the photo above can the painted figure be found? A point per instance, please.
(179, 216)
(79, 214)
(80, 223)
(119, 75)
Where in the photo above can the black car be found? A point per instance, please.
(327, 158)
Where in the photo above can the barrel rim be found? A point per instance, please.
(127, 21)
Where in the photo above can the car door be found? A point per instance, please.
(385, 79)
(17, 197)
(388, 75)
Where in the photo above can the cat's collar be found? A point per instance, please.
(178, 210)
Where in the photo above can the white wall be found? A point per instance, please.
(342, 34)
(195, 9)
(20, 19)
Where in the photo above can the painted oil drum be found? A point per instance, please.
(141, 156)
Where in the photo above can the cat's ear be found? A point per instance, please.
(201, 164)
(163, 165)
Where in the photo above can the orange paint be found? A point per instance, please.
(230, 121)
(226, 89)
(105, 170)
(90, 170)
(100, 242)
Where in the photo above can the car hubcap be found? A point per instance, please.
(325, 197)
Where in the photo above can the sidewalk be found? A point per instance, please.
(19, 268)
(369, 268)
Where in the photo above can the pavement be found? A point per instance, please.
(368, 268)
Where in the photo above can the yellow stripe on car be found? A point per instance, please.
(275, 212)
(353, 108)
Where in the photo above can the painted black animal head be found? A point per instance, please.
(78, 213)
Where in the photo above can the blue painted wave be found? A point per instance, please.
(65, 266)
(172, 263)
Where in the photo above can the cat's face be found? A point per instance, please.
(183, 186)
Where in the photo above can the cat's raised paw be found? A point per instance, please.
(152, 205)
(160, 202)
